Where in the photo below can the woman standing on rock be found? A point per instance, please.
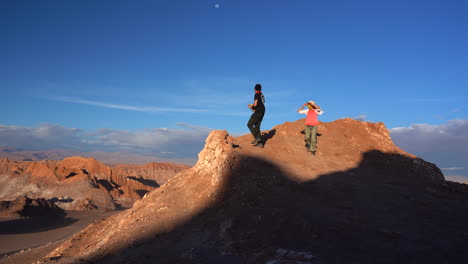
(312, 113)
(258, 107)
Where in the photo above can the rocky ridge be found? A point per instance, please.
(360, 200)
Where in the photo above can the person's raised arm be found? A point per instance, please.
(299, 110)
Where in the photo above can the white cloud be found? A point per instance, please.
(452, 136)
(457, 178)
(361, 118)
(146, 109)
(184, 142)
(51, 135)
(452, 168)
(188, 139)
(444, 144)
(214, 105)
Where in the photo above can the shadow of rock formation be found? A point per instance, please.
(37, 215)
(146, 182)
(374, 213)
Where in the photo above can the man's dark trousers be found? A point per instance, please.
(254, 124)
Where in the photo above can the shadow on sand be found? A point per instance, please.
(386, 210)
(36, 220)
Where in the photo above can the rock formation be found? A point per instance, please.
(78, 183)
(26, 207)
(360, 200)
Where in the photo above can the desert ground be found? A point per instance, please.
(34, 237)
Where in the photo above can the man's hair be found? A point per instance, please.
(258, 87)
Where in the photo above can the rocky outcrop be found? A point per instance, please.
(191, 191)
(78, 183)
(359, 199)
(26, 207)
(141, 179)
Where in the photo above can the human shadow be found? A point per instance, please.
(388, 209)
(267, 136)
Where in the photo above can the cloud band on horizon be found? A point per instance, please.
(444, 144)
(178, 143)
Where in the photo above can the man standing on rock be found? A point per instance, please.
(312, 113)
(258, 107)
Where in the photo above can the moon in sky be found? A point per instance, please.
(216, 5)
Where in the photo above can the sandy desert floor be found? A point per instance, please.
(24, 240)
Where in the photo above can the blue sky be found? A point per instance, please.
(93, 71)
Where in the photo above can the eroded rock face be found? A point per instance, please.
(190, 192)
(26, 207)
(361, 196)
(87, 183)
(141, 179)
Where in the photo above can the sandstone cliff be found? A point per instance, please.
(78, 183)
(360, 200)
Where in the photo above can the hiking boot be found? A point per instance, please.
(259, 144)
(313, 152)
(255, 141)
